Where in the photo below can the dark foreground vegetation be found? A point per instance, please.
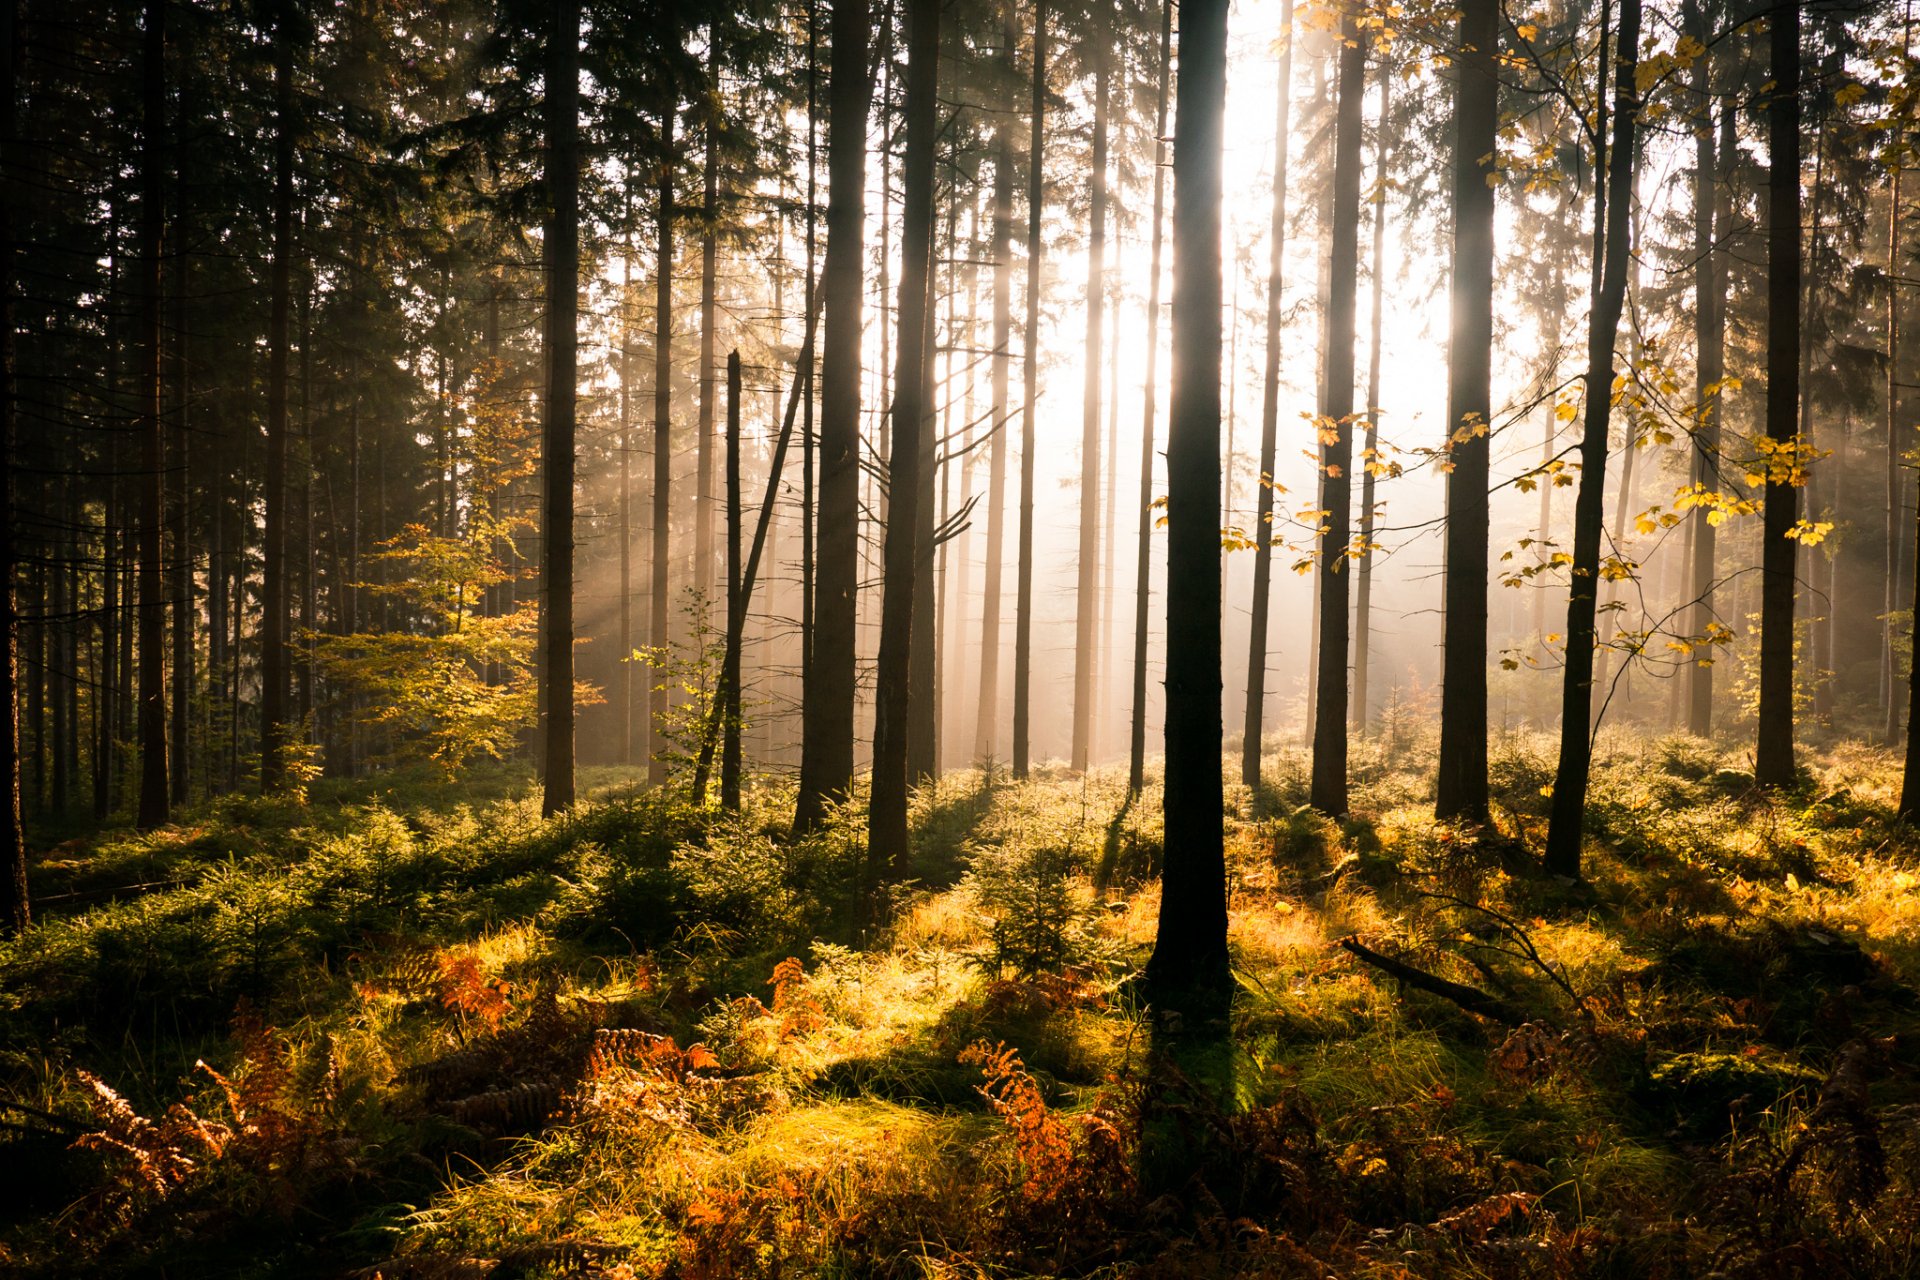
(424, 1033)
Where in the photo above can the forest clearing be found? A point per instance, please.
(959, 639)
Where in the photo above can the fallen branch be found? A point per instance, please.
(1472, 999)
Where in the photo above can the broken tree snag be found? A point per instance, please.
(1472, 999)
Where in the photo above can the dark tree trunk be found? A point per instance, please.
(154, 794)
(15, 914)
(1143, 567)
(1329, 784)
(827, 698)
(1254, 728)
(661, 566)
(181, 728)
(1369, 453)
(1709, 318)
(1023, 569)
(923, 687)
(1086, 601)
(1462, 785)
(273, 593)
(987, 724)
(1773, 749)
(709, 256)
(1190, 950)
(561, 263)
(736, 604)
(887, 836)
(624, 682)
(1890, 409)
(1611, 249)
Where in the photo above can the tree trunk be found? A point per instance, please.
(1255, 725)
(1612, 249)
(1462, 784)
(273, 594)
(1023, 590)
(1329, 783)
(736, 604)
(827, 697)
(1190, 950)
(1709, 318)
(624, 682)
(1369, 453)
(1890, 408)
(181, 726)
(1086, 601)
(662, 565)
(887, 836)
(1143, 564)
(1773, 748)
(15, 914)
(709, 255)
(561, 260)
(987, 723)
(923, 728)
(154, 795)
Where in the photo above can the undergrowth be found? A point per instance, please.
(420, 1033)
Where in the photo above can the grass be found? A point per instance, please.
(415, 1030)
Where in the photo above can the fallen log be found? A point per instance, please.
(1472, 999)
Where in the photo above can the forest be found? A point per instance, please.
(960, 639)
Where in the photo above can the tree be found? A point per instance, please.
(154, 795)
(1255, 726)
(1143, 571)
(1785, 466)
(887, 837)
(826, 753)
(273, 592)
(1612, 206)
(661, 563)
(1086, 603)
(15, 912)
(1002, 253)
(1710, 219)
(1462, 788)
(1335, 425)
(1370, 448)
(1190, 947)
(560, 254)
(1029, 437)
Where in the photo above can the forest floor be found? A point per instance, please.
(412, 1030)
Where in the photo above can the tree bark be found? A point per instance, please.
(561, 253)
(15, 910)
(826, 749)
(1254, 727)
(887, 837)
(1029, 434)
(736, 604)
(1709, 318)
(1369, 453)
(1462, 784)
(154, 795)
(709, 262)
(1143, 564)
(1612, 251)
(1773, 748)
(273, 594)
(1086, 600)
(1329, 783)
(1190, 950)
(662, 564)
(987, 722)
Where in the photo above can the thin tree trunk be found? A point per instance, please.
(15, 911)
(827, 696)
(1029, 436)
(709, 245)
(1086, 602)
(561, 254)
(923, 731)
(987, 721)
(273, 594)
(1890, 408)
(1254, 729)
(1709, 318)
(887, 836)
(624, 683)
(1329, 782)
(1190, 949)
(1612, 248)
(181, 728)
(1370, 451)
(662, 564)
(1143, 564)
(1773, 748)
(736, 603)
(154, 794)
